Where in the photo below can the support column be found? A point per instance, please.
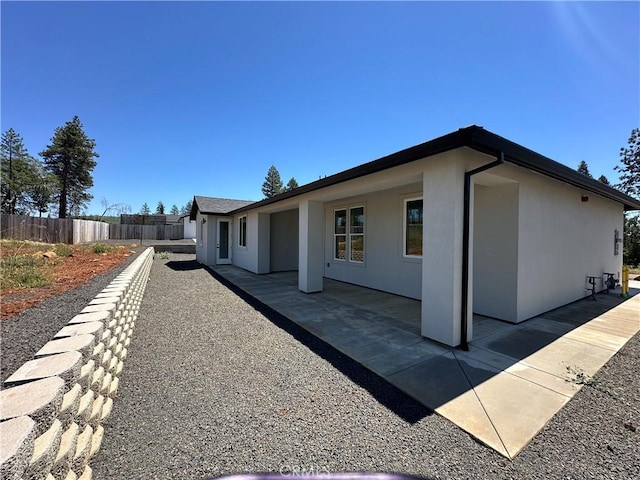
(310, 247)
(264, 243)
(443, 188)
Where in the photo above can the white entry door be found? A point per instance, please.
(223, 242)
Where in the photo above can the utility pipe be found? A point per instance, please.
(464, 345)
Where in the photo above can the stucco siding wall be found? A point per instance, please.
(284, 241)
(246, 257)
(495, 251)
(562, 240)
(189, 228)
(384, 268)
(201, 240)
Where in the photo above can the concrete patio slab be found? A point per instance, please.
(502, 391)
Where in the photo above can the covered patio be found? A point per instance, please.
(502, 391)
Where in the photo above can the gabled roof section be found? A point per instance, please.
(473, 137)
(215, 206)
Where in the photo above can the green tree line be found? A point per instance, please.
(161, 209)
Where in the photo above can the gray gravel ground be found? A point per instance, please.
(23, 335)
(216, 384)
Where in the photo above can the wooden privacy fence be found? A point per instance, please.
(146, 232)
(52, 230)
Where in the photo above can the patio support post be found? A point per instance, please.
(264, 234)
(465, 312)
(310, 247)
(442, 188)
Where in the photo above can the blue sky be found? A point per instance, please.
(203, 97)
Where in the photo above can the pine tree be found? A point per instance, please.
(272, 185)
(70, 157)
(18, 173)
(174, 210)
(630, 169)
(604, 180)
(291, 184)
(160, 208)
(583, 168)
(186, 209)
(42, 190)
(630, 184)
(145, 210)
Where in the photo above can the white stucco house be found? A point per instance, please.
(467, 222)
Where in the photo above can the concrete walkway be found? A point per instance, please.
(503, 391)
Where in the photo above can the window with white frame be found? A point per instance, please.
(413, 225)
(356, 234)
(348, 234)
(242, 231)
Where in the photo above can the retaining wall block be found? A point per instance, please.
(96, 411)
(80, 343)
(70, 406)
(84, 409)
(45, 450)
(99, 352)
(112, 365)
(87, 328)
(64, 365)
(96, 381)
(104, 307)
(70, 476)
(106, 359)
(68, 443)
(106, 383)
(114, 299)
(87, 474)
(113, 388)
(119, 368)
(119, 293)
(106, 337)
(83, 448)
(96, 441)
(39, 399)
(86, 375)
(106, 410)
(103, 317)
(16, 446)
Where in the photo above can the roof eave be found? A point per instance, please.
(474, 137)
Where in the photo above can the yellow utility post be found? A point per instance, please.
(625, 281)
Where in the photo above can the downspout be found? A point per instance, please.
(464, 345)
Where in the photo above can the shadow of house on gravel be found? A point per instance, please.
(385, 393)
(183, 265)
